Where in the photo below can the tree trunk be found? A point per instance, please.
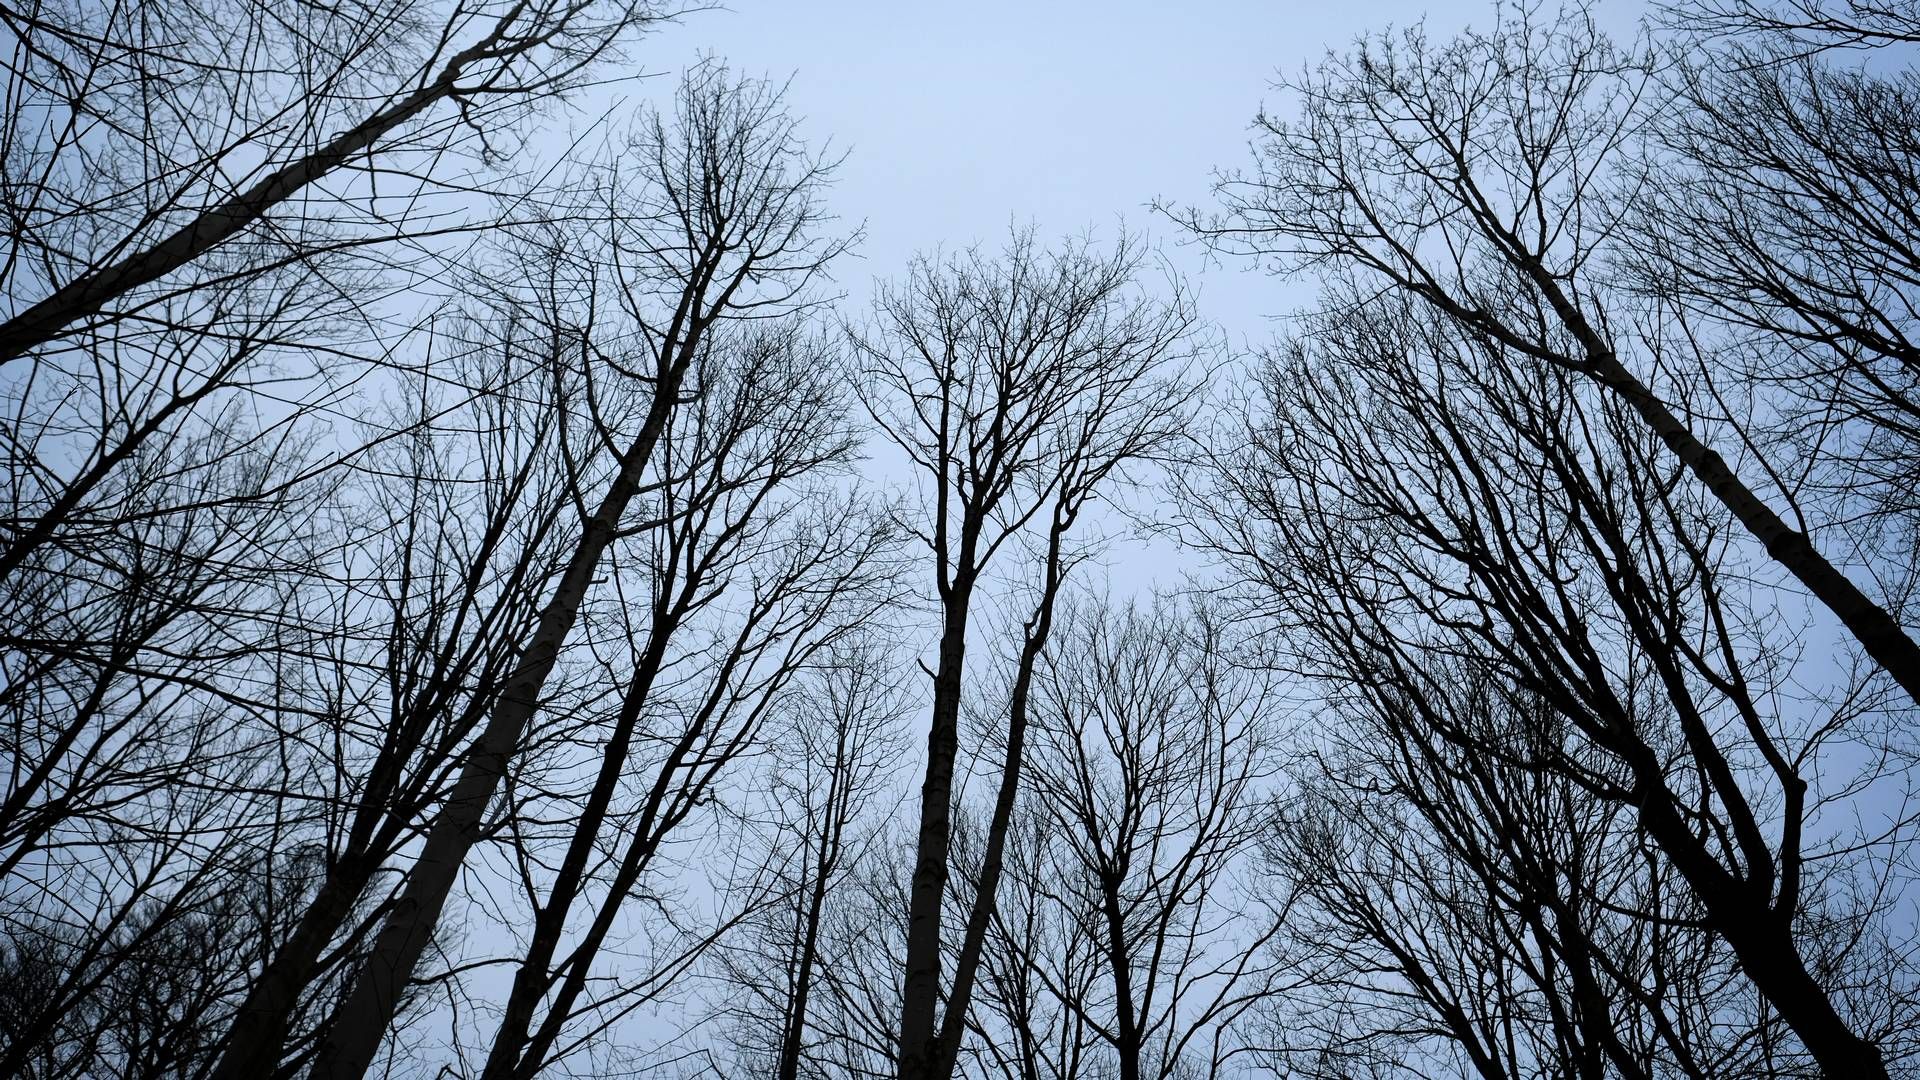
(531, 981)
(954, 1025)
(1126, 1024)
(1762, 937)
(85, 295)
(793, 1039)
(361, 1020)
(259, 1027)
(1877, 631)
(919, 1047)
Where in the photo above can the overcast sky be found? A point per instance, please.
(962, 118)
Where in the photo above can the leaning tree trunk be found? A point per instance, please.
(362, 1019)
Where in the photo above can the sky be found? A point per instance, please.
(962, 119)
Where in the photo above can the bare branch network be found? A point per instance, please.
(477, 608)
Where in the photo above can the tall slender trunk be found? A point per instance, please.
(919, 1050)
(1761, 936)
(1740, 910)
(1760, 932)
(520, 1056)
(986, 897)
(639, 855)
(1125, 1022)
(1592, 1018)
(1877, 631)
(792, 1040)
(260, 1023)
(259, 1027)
(531, 981)
(361, 1020)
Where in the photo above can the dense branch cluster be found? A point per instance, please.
(471, 608)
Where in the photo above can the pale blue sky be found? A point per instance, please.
(962, 118)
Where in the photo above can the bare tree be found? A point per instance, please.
(1807, 27)
(857, 1007)
(750, 573)
(207, 203)
(1415, 492)
(458, 538)
(1474, 176)
(141, 711)
(1778, 230)
(156, 149)
(1021, 387)
(719, 228)
(1469, 908)
(1040, 970)
(398, 540)
(836, 745)
(204, 201)
(159, 996)
(1151, 739)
